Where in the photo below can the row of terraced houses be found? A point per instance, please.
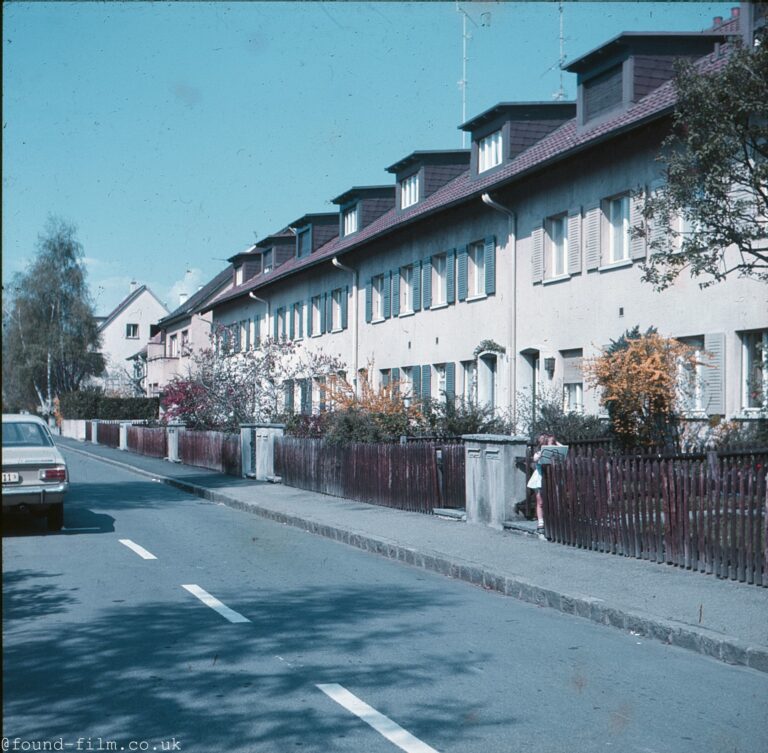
(492, 271)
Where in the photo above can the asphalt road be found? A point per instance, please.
(245, 635)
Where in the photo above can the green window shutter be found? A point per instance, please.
(416, 382)
(450, 382)
(256, 331)
(324, 314)
(574, 241)
(416, 286)
(328, 312)
(395, 379)
(301, 318)
(714, 374)
(426, 382)
(345, 307)
(247, 325)
(291, 324)
(288, 386)
(387, 294)
(450, 261)
(368, 301)
(463, 257)
(276, 320)
(309, 318)
(426, 283)
(490, 264)
(395, 273)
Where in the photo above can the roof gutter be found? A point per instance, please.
(512, 308)
(355, 319)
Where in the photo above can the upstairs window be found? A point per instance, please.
(185, 342)
(297, 324)
(304, 242)
(377, 300)
(439, 280)
(476, 270)
(489, 152)
(282, 328)
(557, 241)
(409, 191)
(317, 303)
(406, 289)
(132, 331)
(173, 346)
(239, 275)
(336, 309)
(617, 214)
(267, 261)
(350, 220)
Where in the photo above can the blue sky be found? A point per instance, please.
(174, 134)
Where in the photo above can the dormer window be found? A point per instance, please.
(304, 242)
(239, 275)
(350, 218)
(489, 151)
(267, 261)
(409, 191)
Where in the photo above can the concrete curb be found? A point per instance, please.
(706, 642)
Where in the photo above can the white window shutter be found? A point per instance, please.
(636, 222)
(592, 231)
(714, 374)
(537, 254)
(574, 241)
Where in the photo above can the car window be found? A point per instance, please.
(23, 434)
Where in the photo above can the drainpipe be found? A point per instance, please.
(511, 242)
(252, 295)
(355, 345)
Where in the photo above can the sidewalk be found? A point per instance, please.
(722, 619)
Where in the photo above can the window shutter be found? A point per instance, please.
(345, 307)
(490, 265)
(328, 312)
(288, 386)
(592, 231)
(395, 379)
(426, 382)
(714, 374)
(450, 261)
(276, 320)
(292, 323)
(636, 222)
(537, 254)
(368, 301)
(450, 382)
(309, 317)
(426, 283)
(323, 313)
(416, 277)
(301, 319)
(416, 382)
(395, 273)
(256, 331)
(247, 325)
(656, 225)
(387, 294)
(462, 281)
(574, 241)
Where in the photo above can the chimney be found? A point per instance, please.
(717, 21)
(183, 298)
(134, 285)
(735, 12)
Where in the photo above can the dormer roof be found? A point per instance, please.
(430, 157)
(521, 111)
(364, 192)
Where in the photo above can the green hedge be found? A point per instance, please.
(89, 404)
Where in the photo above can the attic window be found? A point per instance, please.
(489, 151)
(267, 261)
(350, 220)
(132, 331)
(304, 242)
(409, 191)
(239, 275)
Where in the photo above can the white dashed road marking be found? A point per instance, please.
(140, 550)
(382, 724)
(215, 604)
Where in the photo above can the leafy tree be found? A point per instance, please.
(639, 376)
(711, 216)
(50, 334)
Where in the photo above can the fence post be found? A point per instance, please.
(173, 442)
(494, 483)
(248, 450)
(124, 435)
(263, 452)
(95, 431)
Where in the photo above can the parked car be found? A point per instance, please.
(35, 474)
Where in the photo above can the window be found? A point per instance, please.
(297, 325)
(350, 220)
(132, 331)
(239, 275)
(754, 369)
(303, 242)
(409, 191)
(573, 397)
(690, 377)
(618, 228)
(489, 152)
(317, 303)
(406, 384)
(282, 330)
(266, 261)
(336, 309)
(469, 389)
(385, 378)
(476, 270)
(185, 342)
(406, 290)
(377, 287)
(173, 346)
(486, 381)
(557, 241)
(439, 379)
(439, 280)
(573, 381)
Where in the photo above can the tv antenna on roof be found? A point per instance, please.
(560, 93)
(485, 20)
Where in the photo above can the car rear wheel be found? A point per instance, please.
(56, 517)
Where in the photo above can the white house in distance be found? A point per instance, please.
(124, 331)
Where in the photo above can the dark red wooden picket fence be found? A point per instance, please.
(702, 513)
(150, 441)
(404, 476)
(216, 450)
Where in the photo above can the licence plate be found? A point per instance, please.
(10, 478)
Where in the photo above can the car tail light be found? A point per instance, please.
(54, 474)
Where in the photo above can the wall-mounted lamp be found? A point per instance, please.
(549, 366)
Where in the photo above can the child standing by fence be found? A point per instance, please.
(535, 482)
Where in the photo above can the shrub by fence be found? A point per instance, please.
(403, 476)
(702, 513)
(148, 441)
(216, 450)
